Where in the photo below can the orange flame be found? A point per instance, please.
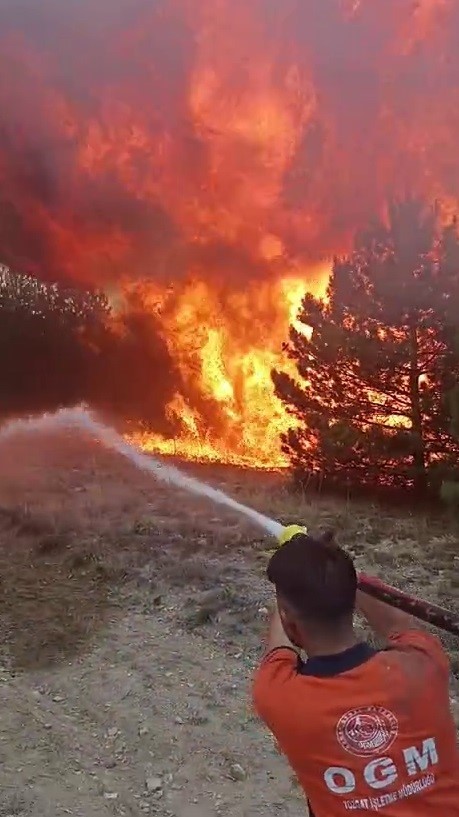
(230, 366)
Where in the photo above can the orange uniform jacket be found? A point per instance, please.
(366, 731)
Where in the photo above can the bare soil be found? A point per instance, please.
(132, 618)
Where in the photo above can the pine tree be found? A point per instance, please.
(369, 401)
(46, 342)
(62, 346)
(450, 484)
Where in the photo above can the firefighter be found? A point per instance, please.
(364, 729)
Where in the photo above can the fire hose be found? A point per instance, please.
(420, 609)
(423, 610)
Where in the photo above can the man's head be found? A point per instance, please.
(316, 585)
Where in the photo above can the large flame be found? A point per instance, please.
(203, 161)
(228, 364)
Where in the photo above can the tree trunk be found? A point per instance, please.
(419, 458)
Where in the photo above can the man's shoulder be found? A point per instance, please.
(275, 680)
(284, 681)
(418, 641)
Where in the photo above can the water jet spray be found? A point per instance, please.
(83, 420)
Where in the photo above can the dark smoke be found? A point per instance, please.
(102, 64)
(388, 109)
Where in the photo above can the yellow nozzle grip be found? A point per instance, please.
(289, 532)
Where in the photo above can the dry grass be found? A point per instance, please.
(83, 534)
(133, 609)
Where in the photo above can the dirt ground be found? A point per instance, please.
(132, 618)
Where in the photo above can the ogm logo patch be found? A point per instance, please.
(367, 731)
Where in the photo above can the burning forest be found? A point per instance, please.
(201, 164)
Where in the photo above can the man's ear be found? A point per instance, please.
(283, 616)
(282, 611)
(288, 622)
(290, 625)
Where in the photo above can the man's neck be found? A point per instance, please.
(331, 645)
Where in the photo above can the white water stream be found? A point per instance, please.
(82, 419)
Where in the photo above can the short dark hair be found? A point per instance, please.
(316, 577)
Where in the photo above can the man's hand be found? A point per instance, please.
(382, 618)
